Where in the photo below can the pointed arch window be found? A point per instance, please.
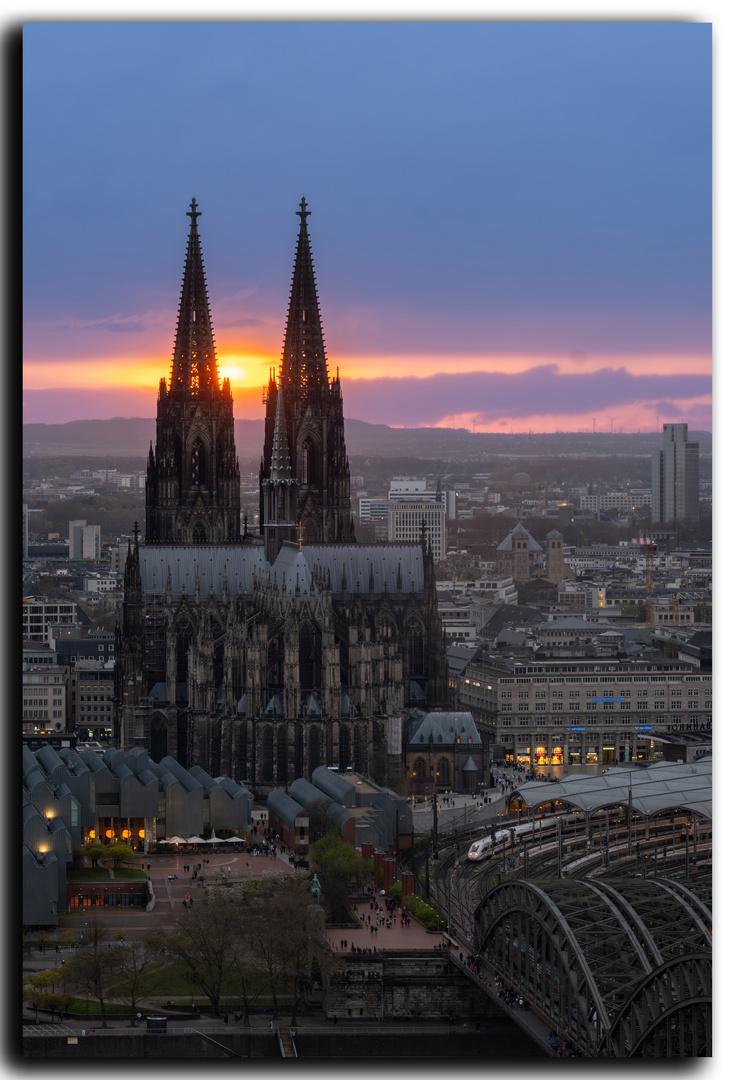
(415, 647)
(357, 762)
(159, 737)
(197, 463)
(344, 747)
(183, 641)
(268, 756)
(315, 758)
(241, 771)
(310, 473)
(443, 772)
(281, 755)
(419, 768)
(310, 658)
(298, 751)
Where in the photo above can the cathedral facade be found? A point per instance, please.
(262, 657)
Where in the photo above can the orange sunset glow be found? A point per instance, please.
(247, 371)
(505, 390)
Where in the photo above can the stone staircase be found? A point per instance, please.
(288, 1050)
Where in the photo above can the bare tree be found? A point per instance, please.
(205, 941)
(287, 941)
(93, 967)
(134, 960)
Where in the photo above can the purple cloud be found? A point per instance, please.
(491, 396)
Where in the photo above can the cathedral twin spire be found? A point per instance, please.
(192, 485)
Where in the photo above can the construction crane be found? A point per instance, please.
(545, 488)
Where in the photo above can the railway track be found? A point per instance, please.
(460, 884)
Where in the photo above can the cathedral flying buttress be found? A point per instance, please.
(263, 657)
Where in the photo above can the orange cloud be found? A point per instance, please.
(697, 412)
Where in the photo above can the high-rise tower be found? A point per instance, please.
(193, 481)
(311, 431)
(675, 477)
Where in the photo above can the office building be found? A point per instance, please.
(85, 541)
(675, 477)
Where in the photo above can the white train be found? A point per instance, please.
(544, 829)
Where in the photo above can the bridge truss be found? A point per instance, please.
(623, 967)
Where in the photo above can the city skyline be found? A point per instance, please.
(511, 223)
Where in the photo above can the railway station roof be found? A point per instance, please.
(662, 786)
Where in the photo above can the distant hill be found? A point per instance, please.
(125, 437)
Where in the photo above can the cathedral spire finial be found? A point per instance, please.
(194, 367)
(304, 361)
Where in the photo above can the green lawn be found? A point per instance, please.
(174, 979)
(101, 873)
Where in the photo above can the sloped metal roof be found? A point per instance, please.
(357, 560)
(241, 561)
(284, 807)
(662, 786)
(349, 562)
(333, 785)
(519, 530)
(445, 727)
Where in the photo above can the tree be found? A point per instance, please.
(35, 992)
(205, 942)
(68, 937)
(44, 979)
(298, 929)
(340, 870)
(92, 967)
(134, 960)
(34, 995)
(119, 852)
(285, 936)
(94, 852)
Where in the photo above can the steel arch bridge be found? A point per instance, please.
(622, 967)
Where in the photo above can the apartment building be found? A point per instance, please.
(92, 700)
(44, 691)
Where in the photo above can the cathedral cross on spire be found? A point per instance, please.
(194, 213)
(303, 213)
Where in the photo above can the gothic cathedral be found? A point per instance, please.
(263, 657)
